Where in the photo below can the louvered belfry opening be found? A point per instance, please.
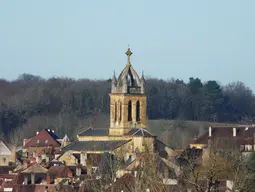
(130, 111)
(138, 111)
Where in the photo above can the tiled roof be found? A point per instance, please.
(94, 132)
(43, 139)
(35, 168)
(140, 132)
(59, 171)
(244, 134)
(7, 176)
(94, 145)
(124, 183)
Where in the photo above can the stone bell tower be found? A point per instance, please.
(127, 100)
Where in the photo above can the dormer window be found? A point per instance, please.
(46, 141)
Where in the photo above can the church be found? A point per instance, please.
(127, 134)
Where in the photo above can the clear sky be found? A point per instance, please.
(209, 39)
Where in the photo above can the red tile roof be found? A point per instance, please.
(59, 171)
(7, 176)
(44, 138)
(244, 135)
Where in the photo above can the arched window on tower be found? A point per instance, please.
(120, 111)
(129, 111)
(115, 112)
(138, 111)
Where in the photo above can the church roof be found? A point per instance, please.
(95, 145)
(140, 132)
(94, 132)
(129, 71)
(128, 80)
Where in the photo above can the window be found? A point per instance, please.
(38, 141)
(120, 111)
(129, 111)
(138, 111)
(46, 141)
(115, 112)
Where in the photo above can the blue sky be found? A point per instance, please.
(212, 40)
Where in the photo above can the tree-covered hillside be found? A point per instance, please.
(66, 105)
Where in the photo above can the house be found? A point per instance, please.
(58, 173)
(44, 145)
(69, 158)
(35, 174)
(241, 137)
(5, 155)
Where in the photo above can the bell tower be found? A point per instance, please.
(127, 100)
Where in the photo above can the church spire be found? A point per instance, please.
(127, 101)
(129, 53)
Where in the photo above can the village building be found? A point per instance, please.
(44, 146)
(240, 137)
(5, 155)
(127, 135)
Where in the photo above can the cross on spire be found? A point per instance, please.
(129, 53)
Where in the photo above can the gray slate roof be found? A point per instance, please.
(94, 145)
(140, 132)
(94, 132)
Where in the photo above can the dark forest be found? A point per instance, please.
(35, 103)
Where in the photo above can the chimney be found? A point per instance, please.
(210, 131)
(135, 173)
(234, 132)
(24, 141)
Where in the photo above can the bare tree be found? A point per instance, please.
(16, 137)
(221, 160)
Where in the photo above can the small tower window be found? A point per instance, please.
(138, 111)
(129, 111)
(120, 111)
(115, 112)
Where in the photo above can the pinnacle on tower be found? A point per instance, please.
(114, 79)
(142, 78)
